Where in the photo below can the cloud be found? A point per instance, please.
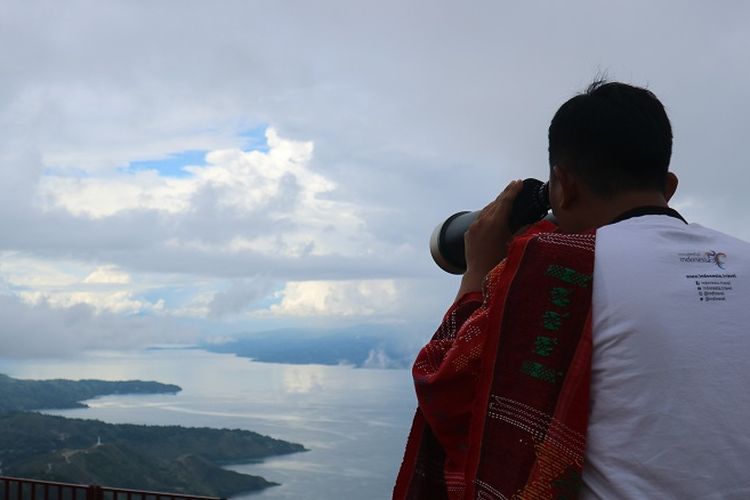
(26, 273)
(67, 284)
(382, 120)
(379, 359)
(102, 197)
(243, 181)
(40, 329)
(118, 302)
(251, 209)
(337, 298)
(238, 297)
(107, 275)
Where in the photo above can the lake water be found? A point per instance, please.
(354, 421)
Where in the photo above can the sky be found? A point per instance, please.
(177, 171)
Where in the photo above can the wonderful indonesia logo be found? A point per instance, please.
(710, 257)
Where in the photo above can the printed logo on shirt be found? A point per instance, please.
(710, 257)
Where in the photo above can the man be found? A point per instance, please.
(606, 358)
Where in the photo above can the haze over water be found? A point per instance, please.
(353, 421)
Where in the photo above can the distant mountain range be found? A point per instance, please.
(364, 346)
(163, 458)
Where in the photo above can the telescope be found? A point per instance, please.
(447, 240)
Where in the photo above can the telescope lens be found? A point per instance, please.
(447, 240)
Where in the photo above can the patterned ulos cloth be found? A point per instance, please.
(503, 386)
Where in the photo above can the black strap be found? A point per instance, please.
(649, 210)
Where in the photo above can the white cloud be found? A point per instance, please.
(117, 302)
(278, 185)
(64, 285)
(247, 181)
(24, 272)
(102, 197)
(378, 358)
(198, 306)
(108, 275)
(337, 298)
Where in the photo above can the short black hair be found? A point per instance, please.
(614, 136)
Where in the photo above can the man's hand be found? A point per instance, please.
(487, 239)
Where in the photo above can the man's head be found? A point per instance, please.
(610, 145)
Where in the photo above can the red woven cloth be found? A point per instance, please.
(503, 386)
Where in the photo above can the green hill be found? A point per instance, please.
(158, 458)
(162, 458)
(18, 394)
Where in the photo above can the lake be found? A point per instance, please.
(354, 421)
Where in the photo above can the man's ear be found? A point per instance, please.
(568, 187)
(670, 185)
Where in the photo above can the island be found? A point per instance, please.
(359, 346)
(158, 458)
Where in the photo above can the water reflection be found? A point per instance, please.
(301, 379)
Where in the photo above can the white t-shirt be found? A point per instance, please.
(670, 393)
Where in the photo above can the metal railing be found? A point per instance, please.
(15, 488)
